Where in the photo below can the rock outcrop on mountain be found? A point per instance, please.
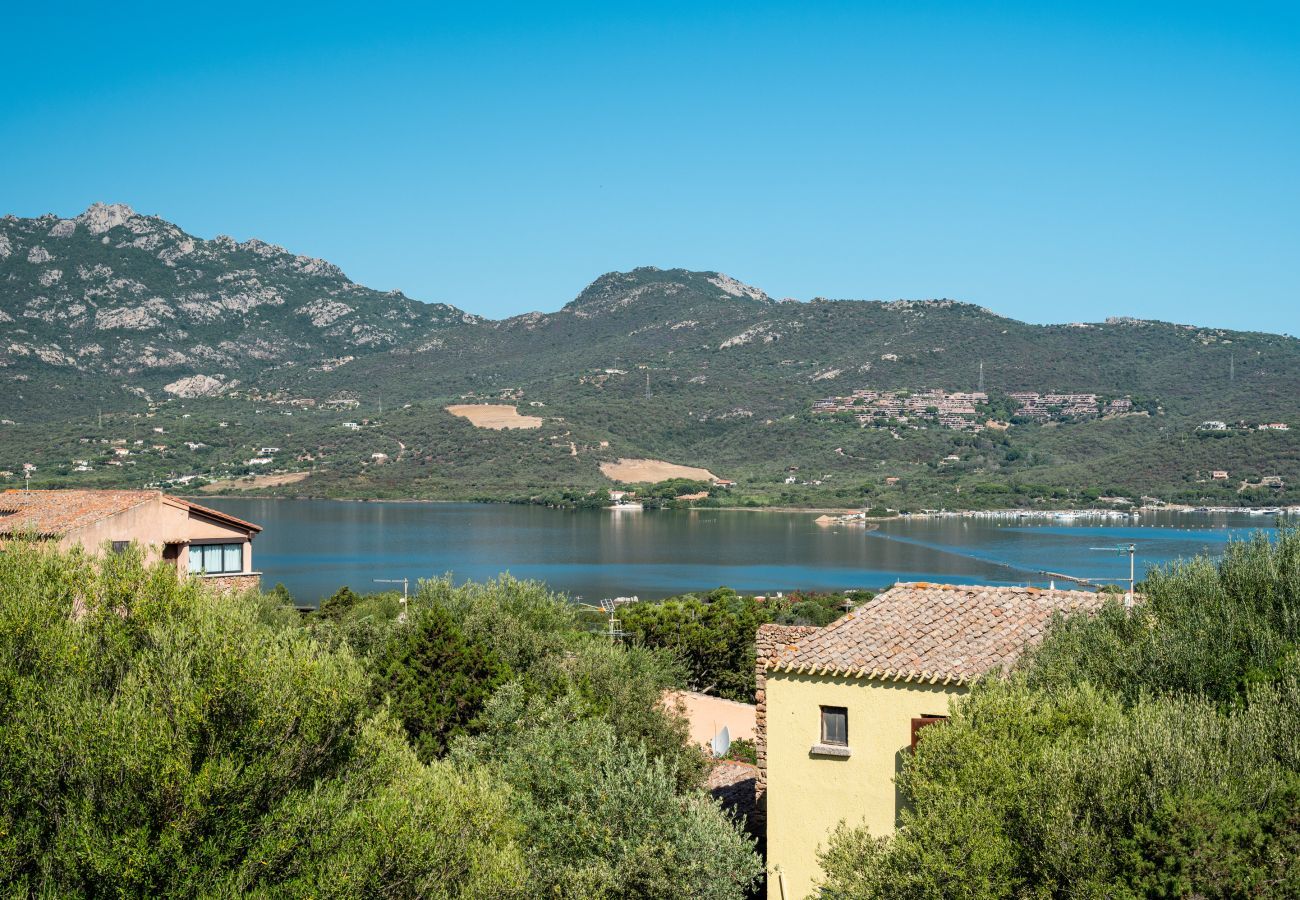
(134, 306)
(116, 293)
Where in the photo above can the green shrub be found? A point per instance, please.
(156, 739)
(436, 679)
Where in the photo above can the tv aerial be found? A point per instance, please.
(614, 628)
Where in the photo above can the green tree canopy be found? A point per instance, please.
(436, 678)
(156, 739)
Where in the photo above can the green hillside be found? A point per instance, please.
(231, 348)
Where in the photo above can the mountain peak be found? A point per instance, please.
(100, 217)
(650, 284)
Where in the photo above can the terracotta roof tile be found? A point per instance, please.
(57, 512)
(49, 513)
(948, 633)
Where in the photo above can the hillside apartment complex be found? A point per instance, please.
(958, 410)
(195, 539)
(840, 707)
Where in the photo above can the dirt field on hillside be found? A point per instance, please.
(253, 482)
(496, 416)
(633, 471)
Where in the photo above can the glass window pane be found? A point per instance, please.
(234, 558)
(835, 725)
(212, 558)
(196, 560)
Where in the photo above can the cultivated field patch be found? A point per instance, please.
(497, 416)
(635, 471)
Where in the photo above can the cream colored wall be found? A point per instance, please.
(153, 524)
(808, 795)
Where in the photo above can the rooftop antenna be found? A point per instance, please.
(405, 592)
(1131, 550)
(614, 628)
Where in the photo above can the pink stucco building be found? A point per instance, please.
(196, 540)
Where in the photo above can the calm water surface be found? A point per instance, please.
(314, 546)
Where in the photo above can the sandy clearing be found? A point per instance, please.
(496, 416)
(635, 471)
(253, 482)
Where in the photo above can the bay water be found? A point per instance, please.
(315, 546)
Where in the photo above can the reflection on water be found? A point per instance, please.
(314, 546)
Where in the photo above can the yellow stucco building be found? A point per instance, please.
(839, 707)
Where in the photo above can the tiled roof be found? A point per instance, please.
(49, 513)
(58, 512)
(933, 633)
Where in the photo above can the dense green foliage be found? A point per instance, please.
(1154, 753)
(437, 679)
(159, 740)
(156, 740)
(603, 779)
(713, 634)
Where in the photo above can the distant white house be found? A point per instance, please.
(268, 451)
(259, 461)
(351, 426)
(1275, 426)
(1214, 426)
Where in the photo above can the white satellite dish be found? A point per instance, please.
(721, 742)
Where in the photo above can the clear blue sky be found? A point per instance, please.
(1053, 161)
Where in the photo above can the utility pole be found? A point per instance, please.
(1131, 550)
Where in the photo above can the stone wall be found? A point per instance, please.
(770, 640)
(232, 584)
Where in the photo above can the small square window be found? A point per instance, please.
(835, 725)
(120, 546)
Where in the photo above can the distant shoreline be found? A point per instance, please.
(857, 512)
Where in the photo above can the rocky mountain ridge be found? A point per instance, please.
(132, 304)
(112, 292)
